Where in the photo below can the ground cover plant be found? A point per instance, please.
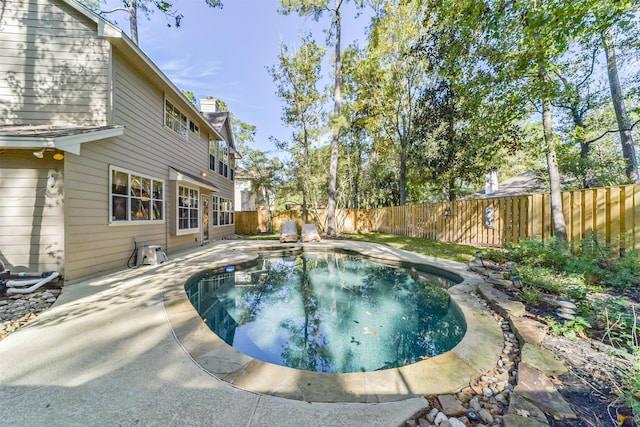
(605, 288)
(606, 291)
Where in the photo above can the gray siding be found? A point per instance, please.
(31, 213)
(53, 67)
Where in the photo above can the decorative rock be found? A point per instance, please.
(410, 423)
(440, 418)
(505, 284)
(454, 422)
(445, 423)
(424, 423)
(528, 330)
(431, 416)
(537, 389)
(474, 404)
(523, 408)
(487, 392)
(566, 316)
(542, 359)
(450, 405)
(501, 302)
(567, 304)
(486, 416)
(512, 420)
(501, 399)
(463, 397)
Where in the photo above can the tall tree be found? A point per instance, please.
(316, 8)
(391, 78)
(133, 7)
(296, 77)
(610, 16)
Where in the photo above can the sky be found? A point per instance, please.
(224, 53)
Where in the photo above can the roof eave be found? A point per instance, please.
(119, 39)
(68, 143)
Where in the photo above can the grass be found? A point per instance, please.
(444, 250)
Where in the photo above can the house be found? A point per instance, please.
(247, 196)
(100, 152)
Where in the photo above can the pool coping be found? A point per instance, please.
(477, 352)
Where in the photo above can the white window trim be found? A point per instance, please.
(130, 221)
(183, 232)
(184, 137)
(219, 202)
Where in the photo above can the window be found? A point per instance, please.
(220, 161)
(175, 119)
(188, 210)
(194, 128)
(135, 197)
(223, 159)
(222, 211)
(213, 152)
(214, 211)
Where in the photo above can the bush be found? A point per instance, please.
(550, 254)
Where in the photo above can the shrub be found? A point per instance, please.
(570, 329)
(550, 254)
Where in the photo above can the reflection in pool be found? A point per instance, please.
(329, 312)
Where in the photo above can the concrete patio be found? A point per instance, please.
(123, 349)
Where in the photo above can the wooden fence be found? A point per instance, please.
(612, 214)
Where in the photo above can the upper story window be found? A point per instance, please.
(135, 197)
(175, 119)
(194, 128)
(213, 152)
(223, 159)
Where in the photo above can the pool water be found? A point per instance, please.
(329, 312)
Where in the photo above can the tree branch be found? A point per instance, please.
(117, 9)
(612, 131)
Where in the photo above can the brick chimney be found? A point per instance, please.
(209, 105)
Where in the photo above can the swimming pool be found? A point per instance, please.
(446, 373)
(329, 311)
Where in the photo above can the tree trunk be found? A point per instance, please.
(133, 20)
(305, 184)
(333, 166)
(557, 214)
(403, 171)
(624, 126)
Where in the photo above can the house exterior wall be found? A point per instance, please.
(245, 198)
(146, 148)
(31, 212)
(54, 70)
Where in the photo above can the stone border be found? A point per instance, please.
(477, 352)
(534, 394)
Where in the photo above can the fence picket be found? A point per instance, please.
(612, 213)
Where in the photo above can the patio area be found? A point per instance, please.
(124, 349)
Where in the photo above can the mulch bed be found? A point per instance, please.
(595, 377)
